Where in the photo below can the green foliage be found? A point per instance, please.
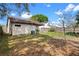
(40, 18)
(72, 34)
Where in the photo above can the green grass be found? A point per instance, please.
(53, 34)
(60, 35)
(4, 49)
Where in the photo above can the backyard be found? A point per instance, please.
(43, 44)
(59, 26)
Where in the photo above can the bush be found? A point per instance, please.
(70, 33)
(73, 34)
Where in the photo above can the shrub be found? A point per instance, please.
(70, 33)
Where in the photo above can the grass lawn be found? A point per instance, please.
(50, 43)
(60, 35)
(53, 33)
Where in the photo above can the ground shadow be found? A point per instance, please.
(44, 46)
(75, 48)
(4, 44)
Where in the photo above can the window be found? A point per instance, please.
(18, 25)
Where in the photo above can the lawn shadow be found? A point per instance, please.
(29, 37)
(75, 48)
(4, 44)
(43, 46)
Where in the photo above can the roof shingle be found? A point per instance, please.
(24, 21)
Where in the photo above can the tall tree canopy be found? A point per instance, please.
(40, 18)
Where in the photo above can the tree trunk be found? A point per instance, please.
(74, 29)
(63, 27)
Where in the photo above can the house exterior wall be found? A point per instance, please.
(4, 29)
(22, 29)
(8, 26)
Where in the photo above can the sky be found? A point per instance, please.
(51, 10)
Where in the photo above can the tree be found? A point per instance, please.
(40, 18)
(1, 31)
(5, 8)
(20, 5)
(62, 17)
(73, 25)
(25, 5)
(76, 22)
(77, 18)
(67, 19)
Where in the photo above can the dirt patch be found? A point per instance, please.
(52, 47)
(42, 46)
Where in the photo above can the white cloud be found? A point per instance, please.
(70, 7)
(48, 5)
(59, 12)
(56, 23)
(76, 8)
(13, 14)
(25, 15)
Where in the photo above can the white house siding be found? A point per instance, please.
(23, 29)
(8, 26)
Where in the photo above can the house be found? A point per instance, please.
(17, 25)
(44, 28)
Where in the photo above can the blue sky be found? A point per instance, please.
(50, 10)
(47, 9)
